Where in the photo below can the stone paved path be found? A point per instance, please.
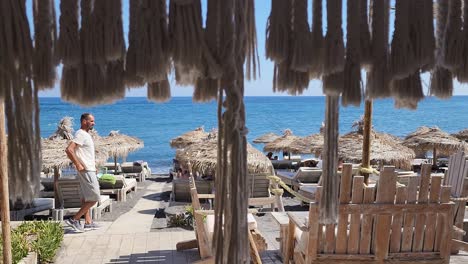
(129, 239)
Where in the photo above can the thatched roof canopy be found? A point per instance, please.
(428, 138)
(462, 135)
(266, 138)
(285, 143)
(118, 145)
(384, 147)
(189, 138)
(203, 158)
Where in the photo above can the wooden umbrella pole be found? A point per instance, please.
(434, 156)
(366, 138)
(56, 178)
(4, 194)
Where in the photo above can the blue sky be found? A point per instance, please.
(259, 87)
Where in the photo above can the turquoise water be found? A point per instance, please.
(156, 124)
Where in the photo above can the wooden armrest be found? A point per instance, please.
(298, 222)
(206, 196)
(458, 231)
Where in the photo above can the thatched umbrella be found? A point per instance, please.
(462, 135)
(285, 144)
(309, 143)
(383, 147)
(433, 138)
(189, 138)
(118, 145)
(266, 138)
(202, 157)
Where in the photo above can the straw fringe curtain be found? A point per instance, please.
(377, 77)
(462, 71)
(45, 35)
(421, 23)
(316, 41)
(441, 78)
(352, 71)
(452, 45)
(22, 107)
(365, 41)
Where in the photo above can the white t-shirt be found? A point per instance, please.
(85, 149)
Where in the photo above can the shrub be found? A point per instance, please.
(42, 237)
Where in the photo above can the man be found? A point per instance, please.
(81, 152)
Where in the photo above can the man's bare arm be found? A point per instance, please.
(70, 150)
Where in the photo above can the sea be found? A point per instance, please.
(157, 123)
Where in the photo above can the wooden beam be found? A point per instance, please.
(4, 194)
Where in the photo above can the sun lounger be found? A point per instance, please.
(120, 189)
(134, 170)
(261, 194)
(283, 164)
(303, 176)
(70, 199)
(38, 205)
(112, 168)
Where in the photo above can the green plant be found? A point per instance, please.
(42, 237)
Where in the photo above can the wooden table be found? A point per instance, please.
(283, 220)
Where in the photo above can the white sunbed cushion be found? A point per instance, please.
(104, 198)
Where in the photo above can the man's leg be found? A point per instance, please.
(84, 210)
(87, 216)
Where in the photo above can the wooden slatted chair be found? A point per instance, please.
(457, 177)
(386, 223)
(204, 226)
(262, 192)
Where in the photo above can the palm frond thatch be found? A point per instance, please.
(202, 157)
(462, 135)
(189, 138)
(428, 138)
(119, 145)
(266, 138)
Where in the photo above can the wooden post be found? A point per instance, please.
(434, 156)
(366, 138)
(329, 198)
(115, 164)
(58, 203)
(4, 194)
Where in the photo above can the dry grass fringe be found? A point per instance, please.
(68, 44)
(402, 57)
(421, 20)
(452, 45)
(378, 76)
(301, 55)
(131, 77)
(278, 31)
(45, 35)
(365, 41)
(186, 49)
(333, 84)
(334, 59)
(462, 71)
(351, 94)
(159, 91)
(316, 41)
(408, 91)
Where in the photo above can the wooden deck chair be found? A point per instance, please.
(181, 189)
(112, 168)
(457, 177)
(262, 192)
(120, 189)
(69, 192)
(386, 223)
(133, 170)
(204, 226)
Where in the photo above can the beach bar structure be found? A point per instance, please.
(216, 53)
